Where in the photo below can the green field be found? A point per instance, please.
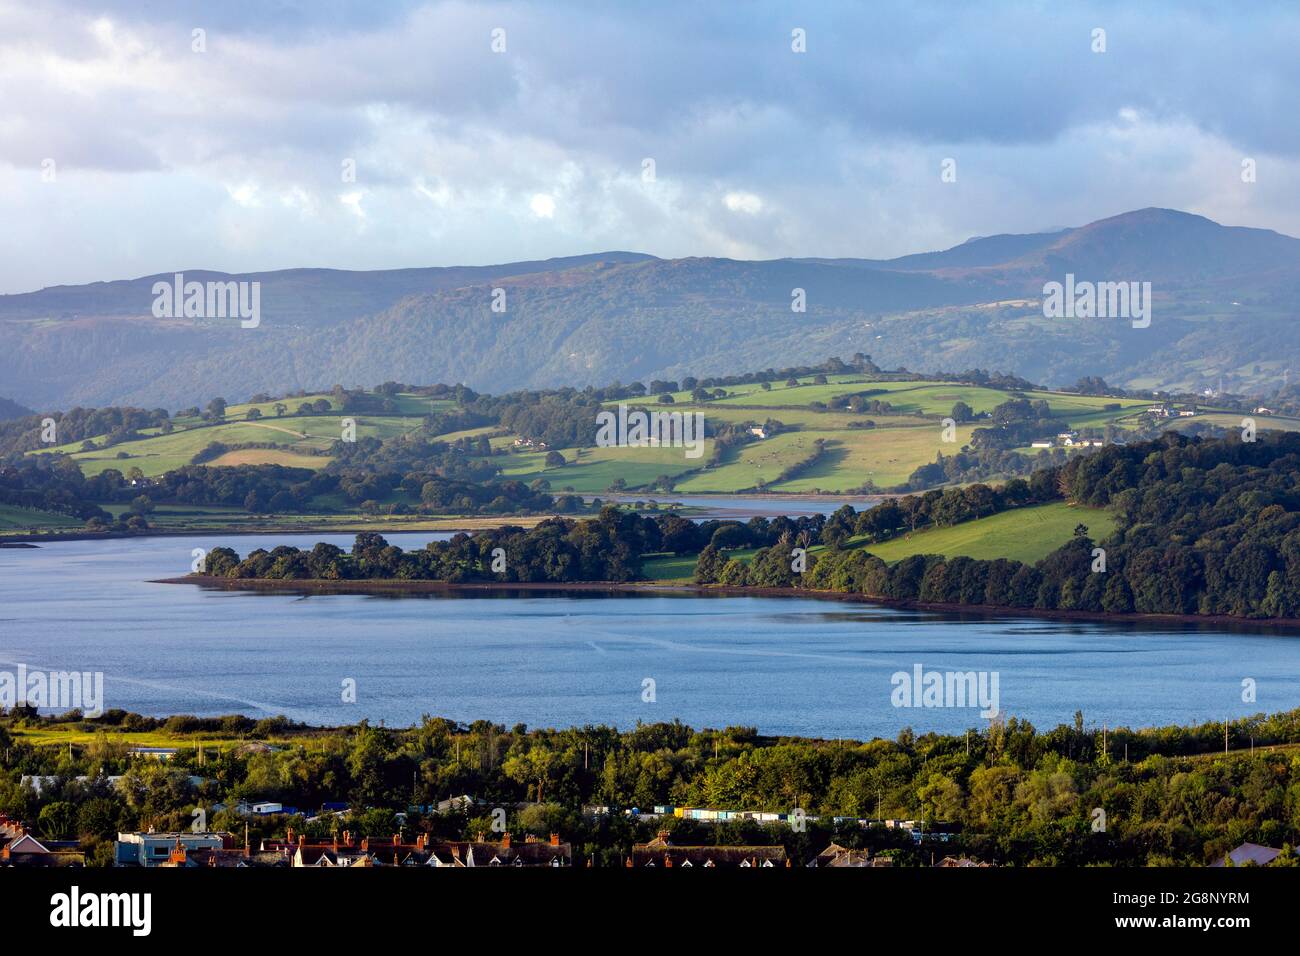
(680, 568)
(747, 466)
(1025, 534)
(669, 567)
(593, 470)
(267, 409)
(297, 436)
(13, 518)
(886, 456)
(1233, 421)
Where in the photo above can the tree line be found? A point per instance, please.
(1013, 794)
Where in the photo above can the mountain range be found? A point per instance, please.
(1225, 299)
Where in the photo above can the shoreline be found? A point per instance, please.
(687, 509)
(666, 505)
(29, 538)
(399, 587)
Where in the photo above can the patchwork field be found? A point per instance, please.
(296, 434)
(904, 438)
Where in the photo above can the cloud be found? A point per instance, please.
(747, 203)
(231, 158)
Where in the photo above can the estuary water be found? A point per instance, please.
(784, 665)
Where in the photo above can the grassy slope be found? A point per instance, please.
(758, 461)
(1026, 534)
(886, 456)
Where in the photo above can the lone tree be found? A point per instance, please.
(554, 460)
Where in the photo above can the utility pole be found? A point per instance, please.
(1225, 736)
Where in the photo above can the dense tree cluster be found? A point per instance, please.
(605, 548)
(1203, 528)
(55, 483)
(464, 459)
(1015, 795)
(80, 424)
(981, 463)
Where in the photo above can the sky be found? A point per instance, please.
(385, 135)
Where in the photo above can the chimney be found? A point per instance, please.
(505, 841)
(628, 862)
(302, 839)
(663, 836)
(288, 835)
(347, 837)
(668, 860)
(455, 851)
(365, 844)
(397, 839)
(555, 839)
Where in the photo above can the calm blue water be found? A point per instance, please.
(797, 666)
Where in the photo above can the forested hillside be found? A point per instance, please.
(1201, 528)
(1223, 303)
